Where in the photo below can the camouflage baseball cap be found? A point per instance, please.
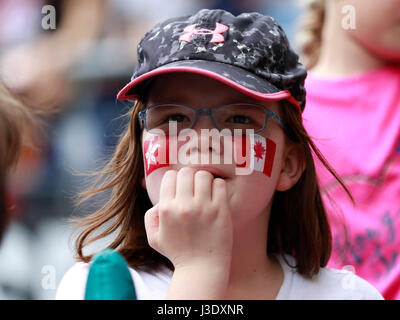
(249, 52)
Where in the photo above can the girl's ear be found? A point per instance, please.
(293, 166)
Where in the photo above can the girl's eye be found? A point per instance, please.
(240, 119)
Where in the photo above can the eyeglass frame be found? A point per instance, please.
(210, 111)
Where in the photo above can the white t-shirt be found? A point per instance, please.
(328, 284)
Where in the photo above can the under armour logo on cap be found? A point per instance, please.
(217, 33)
(249, 52)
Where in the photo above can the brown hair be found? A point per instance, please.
(14, 120)
(127, 204)
(298, 224)
(309, 38)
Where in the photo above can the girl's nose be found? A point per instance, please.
(205, 145)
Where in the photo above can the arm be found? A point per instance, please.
(199, 281)
(37, 71)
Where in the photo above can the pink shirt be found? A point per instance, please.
(355, 122)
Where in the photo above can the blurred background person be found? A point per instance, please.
(36, 66)
(16, 124)
(36, 63)
(353, 112)
(15, 120)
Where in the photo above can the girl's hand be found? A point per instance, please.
(191, 225)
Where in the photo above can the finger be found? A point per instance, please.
(219, 192)
(168, 186)
(203, 182)
(184, 183)
(152, 223)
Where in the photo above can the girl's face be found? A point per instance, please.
(377, 26)
(249, 194)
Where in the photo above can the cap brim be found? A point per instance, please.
(235, 77)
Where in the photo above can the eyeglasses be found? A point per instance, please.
(228, 116)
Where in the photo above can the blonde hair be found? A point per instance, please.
(309, 38)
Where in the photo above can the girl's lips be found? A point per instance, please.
(217, 173)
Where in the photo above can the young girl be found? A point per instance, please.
(211, 229)
(353, 111)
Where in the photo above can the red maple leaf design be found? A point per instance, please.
(259, 150)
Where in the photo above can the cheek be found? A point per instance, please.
(156, 163)
(254, 154)
(377, 35)
(155, 153)
(249, 196)
(384, 45)
(153, 184)
(391, 38)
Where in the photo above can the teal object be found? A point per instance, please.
(109, 278)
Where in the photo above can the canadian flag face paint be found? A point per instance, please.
(156, 153)
(251, 152)
(259, 154)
